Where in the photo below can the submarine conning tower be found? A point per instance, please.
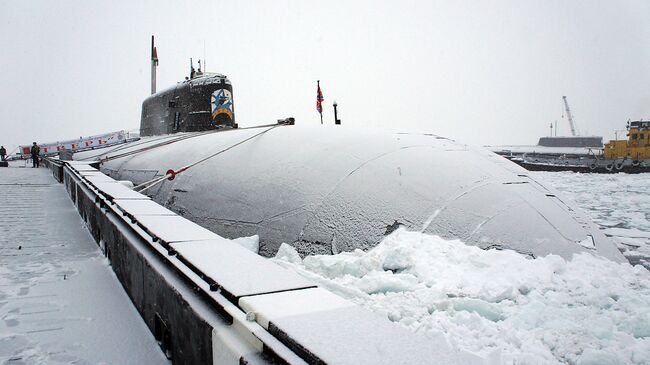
(202, 102)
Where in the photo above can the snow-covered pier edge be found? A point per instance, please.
(208, 300)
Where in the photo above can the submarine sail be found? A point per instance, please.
(203, 102)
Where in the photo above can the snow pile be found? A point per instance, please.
(497, 304)
(251, 243)
(618, 203)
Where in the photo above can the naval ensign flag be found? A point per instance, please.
(319, 101)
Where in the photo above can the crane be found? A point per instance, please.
(569, 116)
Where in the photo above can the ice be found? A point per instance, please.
(587, 242)
(288, 254)
(497, 304)
(618, 203)
(630, 233)
(251, 243)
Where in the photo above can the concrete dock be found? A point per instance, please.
(60, 302)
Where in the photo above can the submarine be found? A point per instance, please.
(326, 189)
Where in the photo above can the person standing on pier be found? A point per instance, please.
(3, 153)
(35, 152)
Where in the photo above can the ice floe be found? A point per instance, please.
(496, 303)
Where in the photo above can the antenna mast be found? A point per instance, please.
(154, 64)
(569, 116)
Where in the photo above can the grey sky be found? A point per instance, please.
(482, 72)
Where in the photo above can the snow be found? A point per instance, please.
(84, 172)
(126, 183)
(137, 208)
(291, 303)
(174, 228)
(98, 178)
(83, 166)
(115, 190)
(237, 270)
(337, 332)
(496, 303)
(251, 243)
(59, 300)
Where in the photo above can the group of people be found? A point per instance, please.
(35, 151)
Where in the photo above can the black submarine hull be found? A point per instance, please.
(330, 189)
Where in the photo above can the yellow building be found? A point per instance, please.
(636, 147)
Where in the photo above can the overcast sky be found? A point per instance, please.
(482, 72)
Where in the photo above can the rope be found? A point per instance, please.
(171, 174)
(181, 138)
(146, 185)
(129, 153)
(122, 146)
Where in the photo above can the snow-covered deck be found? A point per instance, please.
(59, 299)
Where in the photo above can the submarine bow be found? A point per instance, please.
(326, 190)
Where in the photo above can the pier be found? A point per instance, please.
(59, 299)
